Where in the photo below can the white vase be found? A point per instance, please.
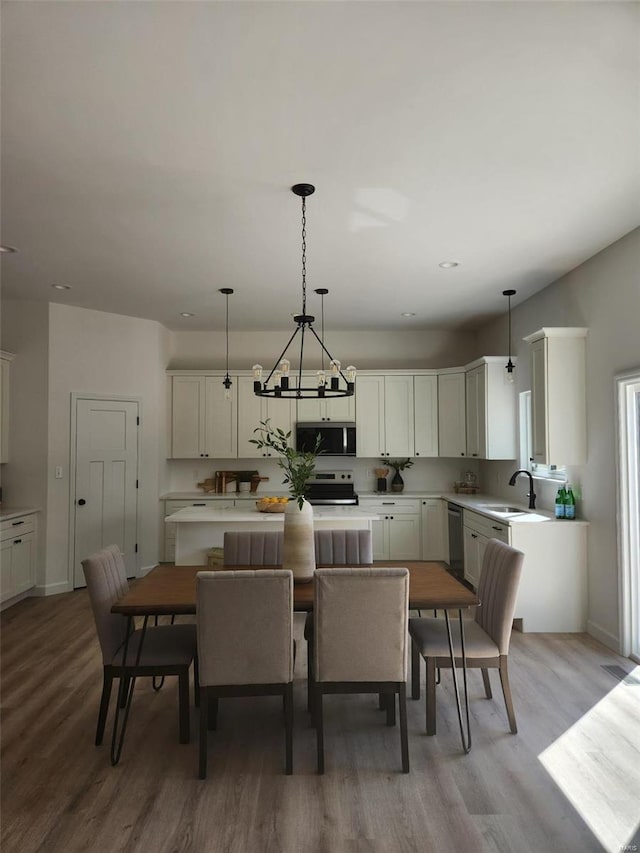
(298, 545)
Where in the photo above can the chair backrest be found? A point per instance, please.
(343, 547)
(251, 548)
(333, 547)
(106, 579)
(245, 627)
(498, 590)
(360, 624)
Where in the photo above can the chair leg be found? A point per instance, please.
(506, 690)
(202, 745)
(404, 741)
(196, 682)
(288, 724)
(107, 682)
(415, 671)
(126, 681)
(487, 683)
(317, 703)
(183, 704)
(390, 700)
(431, 696)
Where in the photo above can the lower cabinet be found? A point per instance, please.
(397, 535)
(169, 550)
(477, 530)
(18, 544)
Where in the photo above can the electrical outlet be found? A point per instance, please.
(58, 472)
(369, 472)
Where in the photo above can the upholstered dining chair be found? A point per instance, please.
(245, 644)
(486, 637)
(253, 548)
(360, 641)
(333, 547)
(166, 649)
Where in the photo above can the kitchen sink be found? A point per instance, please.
(505, 510)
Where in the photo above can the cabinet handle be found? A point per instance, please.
(200, 504)
(17, 541)
(474, 454)
(16, 523)
(391, 518)
(388, 503)
(417, 453)
(461, 454)
(474, 536)
(81, 502)
(499, 529)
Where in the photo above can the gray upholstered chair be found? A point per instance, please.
(166, 650)
(486, 638)
(333, 547)
(253, 548)
(245, 644)
(360, 641)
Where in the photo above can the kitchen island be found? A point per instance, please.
(200, 528)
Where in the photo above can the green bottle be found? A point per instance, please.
(561, 497)
(569, 503)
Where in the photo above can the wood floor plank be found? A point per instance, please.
(60, 794)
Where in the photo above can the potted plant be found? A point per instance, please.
(298, 550)
(397, 483)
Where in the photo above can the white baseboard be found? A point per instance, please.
(52, 588)
(605, 637)
(144, 570)
(16, 598)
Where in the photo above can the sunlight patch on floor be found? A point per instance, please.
(596, 764)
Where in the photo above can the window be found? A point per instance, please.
(542, 472)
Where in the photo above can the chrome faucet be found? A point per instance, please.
(532, 494)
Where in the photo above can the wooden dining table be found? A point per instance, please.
(168, 589)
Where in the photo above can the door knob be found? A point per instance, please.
(81, 502)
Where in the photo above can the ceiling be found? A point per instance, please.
(148, 150)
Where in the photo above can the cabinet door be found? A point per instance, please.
(380, 539)
(4, 410)
(340, 409)
(452, 439)
(7, 585)
(471, 555)
(23, 559)
(398, 416)
(249, 417)
(221, 425)
(404, 537)
(370, 416)
(434, 531)
(187, 417)
(279, 414)
(425, 411)
(539, 401)
(476, 415)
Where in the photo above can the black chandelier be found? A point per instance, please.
(227, 291)
(509, 366)
(338, 383)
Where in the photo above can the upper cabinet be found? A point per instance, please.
(203, 422)
(5, 361)
(558, 409)
(490, 410)
(327, 409)
(252, 410)
(452, 434)
(425, 415)
(384, 416)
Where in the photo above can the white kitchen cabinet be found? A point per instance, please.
(425, 414)
(203, 421)
(490, 410)
(327, 409)
(5, 362)
(558, 408)
(170, 506)
(396, 536)
(252, 410)
(434, 531)
(476, 531)
(452, 436)
(384, 416)
(18, 543)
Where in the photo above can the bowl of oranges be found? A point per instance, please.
(272, 504)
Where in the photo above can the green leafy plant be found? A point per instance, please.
(398, 464)
(298, 467)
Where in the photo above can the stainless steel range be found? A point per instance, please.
(331, 488)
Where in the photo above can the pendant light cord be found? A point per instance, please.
(304, 255)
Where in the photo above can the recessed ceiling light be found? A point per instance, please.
(449, 265)
(61, 286)
(408, 314)
(7, 249)
(186, 314)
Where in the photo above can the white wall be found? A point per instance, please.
(602, 294)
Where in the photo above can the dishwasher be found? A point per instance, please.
(456, 541)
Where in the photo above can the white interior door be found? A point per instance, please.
(105, 503)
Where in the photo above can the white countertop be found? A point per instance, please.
(8, 512)
(235, 514)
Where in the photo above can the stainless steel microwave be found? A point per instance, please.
(337, 438)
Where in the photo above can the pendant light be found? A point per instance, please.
(509, 366)
(339, 384)
(227, 291)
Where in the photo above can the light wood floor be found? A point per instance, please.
(567, 782)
